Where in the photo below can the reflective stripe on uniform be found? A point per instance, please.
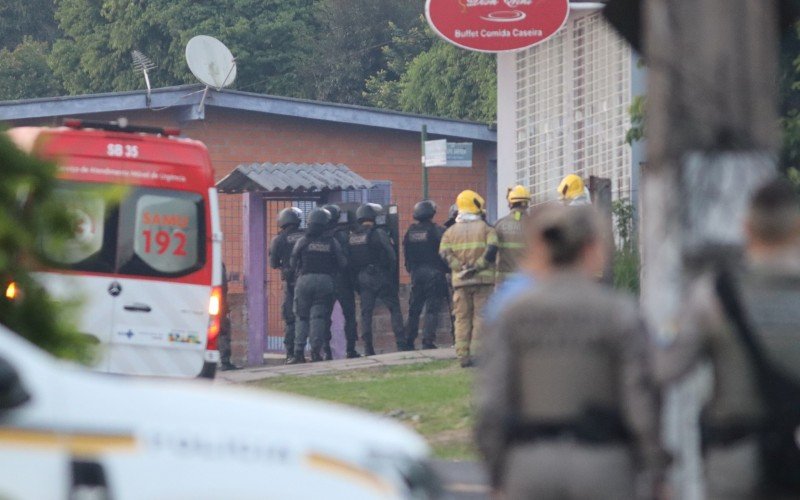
(510, 244)
(463, 246)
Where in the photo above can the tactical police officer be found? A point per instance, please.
(567, 407)
(225, 326)
(428, 285)
(372, 263)
(343, 284)
(280, 251)
(469, 248)
(510, 240)
(316, 257)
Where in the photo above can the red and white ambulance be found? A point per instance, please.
(145, 273)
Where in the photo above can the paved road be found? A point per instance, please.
(462, 480)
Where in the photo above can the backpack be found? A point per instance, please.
(778, 437)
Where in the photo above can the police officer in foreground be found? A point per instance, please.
(428, 285)
(510, 241)
(566, 405)
(280, 252)
(372, 262)
(317, 257)
(469, 248)
(343, 285)
(744, 321)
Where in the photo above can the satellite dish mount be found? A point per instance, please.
(211, 63)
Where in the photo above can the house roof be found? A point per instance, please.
(186, 101)
(291, 177)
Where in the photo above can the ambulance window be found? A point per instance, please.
(93, 224)
(165, 237)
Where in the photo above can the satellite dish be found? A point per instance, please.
(210, 61)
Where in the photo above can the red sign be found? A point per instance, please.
(496, 25)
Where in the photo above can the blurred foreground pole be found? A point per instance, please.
(712, 138)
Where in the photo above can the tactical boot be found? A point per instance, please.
(327, 353)
(429, 345)
(227, 365)
(466, 362)
(315, 356)
(368, 349)
(402, 346)
(353, 354)
(299, 357)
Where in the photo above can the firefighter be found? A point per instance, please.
(280, 251)
(428, 285)
(509, 232)
(573, 192)
(469, 248)
(316, 258)
(343, 285)
(373, 261)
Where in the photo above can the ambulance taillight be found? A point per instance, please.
(11, 291)
(214, 318)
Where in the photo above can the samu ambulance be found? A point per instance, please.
(145, 272)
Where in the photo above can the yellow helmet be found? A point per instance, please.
(469, 202)
(518, 194)
(570, 188)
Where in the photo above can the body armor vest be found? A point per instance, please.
(361, 253)
(317, 256)
(421, 245)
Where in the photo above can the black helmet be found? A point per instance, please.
(319, 217)
(335, 212)
(289, 216)
(366, 212)
(424, 210)
(380, 213)
(453, 212)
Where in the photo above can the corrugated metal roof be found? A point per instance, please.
(291, 177)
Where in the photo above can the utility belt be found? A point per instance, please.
(589, 431)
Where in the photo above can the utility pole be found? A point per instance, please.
(712, 138)
(423, 139)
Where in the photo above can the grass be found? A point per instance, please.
(434, 398)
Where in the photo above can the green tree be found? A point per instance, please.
(21, 18)
(347, 48)
(29, 210)
(425, 74)
(448, 81)
(24, 72)
(267, 38)
(626, 254)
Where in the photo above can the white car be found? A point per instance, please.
(66, 432)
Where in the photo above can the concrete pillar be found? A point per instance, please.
(255, 245)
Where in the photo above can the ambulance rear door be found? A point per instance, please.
(161, 313)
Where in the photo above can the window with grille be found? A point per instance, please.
(573, 95)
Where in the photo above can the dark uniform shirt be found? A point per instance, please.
(369, 246)
(421, 246)
(320, 254)
(280, 252)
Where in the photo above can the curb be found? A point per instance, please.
(336, 366)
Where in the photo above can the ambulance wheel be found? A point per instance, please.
(209, 371)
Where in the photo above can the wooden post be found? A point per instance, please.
(712, 138)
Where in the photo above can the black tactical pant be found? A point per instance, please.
(313, 300)
(428, 289)
(224, 342)
(347, 300)
(373, 284)
(287, 311)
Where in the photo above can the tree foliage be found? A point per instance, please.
(427, 75)
(267, 38)
(377, 52)
(29, 210)
(26, 18)
(24, 72)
